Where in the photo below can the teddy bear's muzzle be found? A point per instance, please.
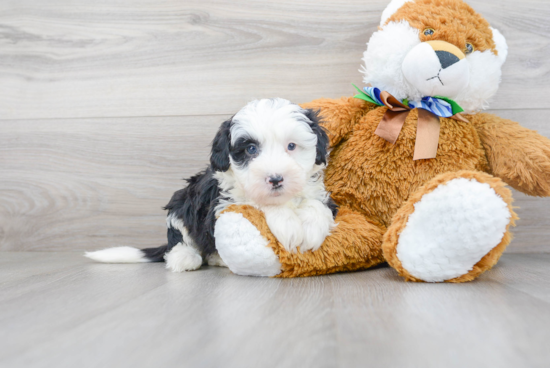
(437, 68)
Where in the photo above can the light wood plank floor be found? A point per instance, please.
(61, 310)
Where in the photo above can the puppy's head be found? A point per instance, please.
(271, 148)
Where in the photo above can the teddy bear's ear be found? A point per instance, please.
(390, 10)
(501, 46)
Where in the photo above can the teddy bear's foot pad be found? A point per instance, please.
(451, 229)
(243, 248)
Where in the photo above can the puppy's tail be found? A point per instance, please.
(128, 255)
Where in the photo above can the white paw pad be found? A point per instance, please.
(451, 229)
(243, 248)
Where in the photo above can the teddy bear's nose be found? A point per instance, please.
(447, 53)
(446, 58)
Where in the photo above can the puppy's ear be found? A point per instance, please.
(219, 158)
(322, 137)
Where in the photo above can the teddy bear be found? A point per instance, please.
(418, 171)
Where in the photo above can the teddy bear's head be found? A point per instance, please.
(435, 48)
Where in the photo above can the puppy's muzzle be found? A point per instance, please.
(275, 181)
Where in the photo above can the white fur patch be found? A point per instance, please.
(183, 257)
(118, 255)
(501, 45)
(383, 59)
(303, 221)
(485, 75)
(243, 248)
(317, 222)
(451, 229)
(285, 224)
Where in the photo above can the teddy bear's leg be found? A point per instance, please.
(248, 247)
(452, 229)
(242, 246)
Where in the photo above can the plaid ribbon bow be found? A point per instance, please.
(430, 109)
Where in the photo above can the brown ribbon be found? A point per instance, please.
(427, 135)
(427, 131)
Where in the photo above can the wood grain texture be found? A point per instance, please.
(67, 58)
(85, 184)
(92, 183)
(63, 310)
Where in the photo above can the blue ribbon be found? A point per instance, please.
(440, 106)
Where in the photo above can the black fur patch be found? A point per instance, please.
(155, 254)
(333, 206)
(322, 137)
(219, 157)
(174, 236)
(238, 151)
(195, 206)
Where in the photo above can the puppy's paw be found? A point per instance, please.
(290, 234)
(314, 235)
(183, 258)
(286, 226)
(317, 222)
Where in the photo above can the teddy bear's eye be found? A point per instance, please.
(469, 48)
(429, 31)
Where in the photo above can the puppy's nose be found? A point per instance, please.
(446, 58)
(275, 180)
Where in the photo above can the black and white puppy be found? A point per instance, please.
(270, 155)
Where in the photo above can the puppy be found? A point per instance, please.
(270, 155)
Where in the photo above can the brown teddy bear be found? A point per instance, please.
(417, 171)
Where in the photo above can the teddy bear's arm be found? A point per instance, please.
(339, 115)
(519, 156)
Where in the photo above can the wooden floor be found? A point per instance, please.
(62, 310)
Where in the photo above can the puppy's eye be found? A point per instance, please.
(429, 31)
(291, 146)
(469, 48)
(252, 150)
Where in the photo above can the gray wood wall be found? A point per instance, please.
(106, 105)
